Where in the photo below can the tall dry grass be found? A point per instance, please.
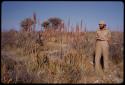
(63, 57)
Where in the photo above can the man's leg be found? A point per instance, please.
(105, 51)
(98, 51)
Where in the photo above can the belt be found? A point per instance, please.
(101, 40)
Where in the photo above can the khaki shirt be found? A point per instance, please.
(104, 34)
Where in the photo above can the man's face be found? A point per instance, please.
(101, 26)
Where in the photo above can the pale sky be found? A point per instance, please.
(91, 12)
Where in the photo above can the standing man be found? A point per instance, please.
(103, 37)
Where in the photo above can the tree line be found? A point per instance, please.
(29, 24)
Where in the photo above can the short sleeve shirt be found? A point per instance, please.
(104, 34)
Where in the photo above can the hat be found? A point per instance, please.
(102, 22)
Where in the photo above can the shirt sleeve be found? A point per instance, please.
(97, 35)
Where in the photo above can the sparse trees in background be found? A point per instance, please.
(27, 24)
(52, 23)
(55, 22)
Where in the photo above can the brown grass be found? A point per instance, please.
(64, 57)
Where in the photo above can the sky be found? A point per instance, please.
(91, 12)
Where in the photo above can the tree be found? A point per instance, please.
(55, 22)
(27, 24)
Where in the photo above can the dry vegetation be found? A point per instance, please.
(60, 57)
(70, 61)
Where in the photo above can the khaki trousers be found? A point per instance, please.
(102, 48)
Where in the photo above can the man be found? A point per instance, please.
(103, 39)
